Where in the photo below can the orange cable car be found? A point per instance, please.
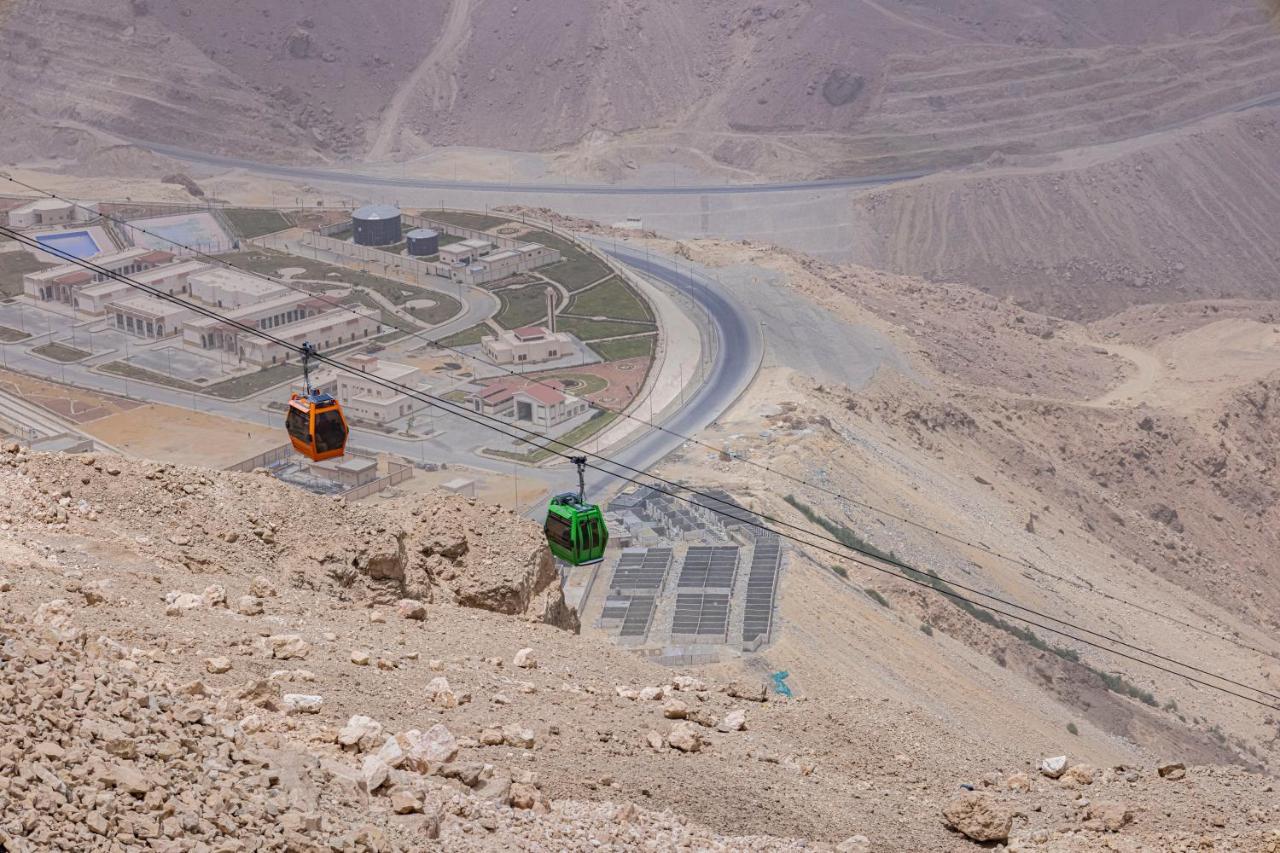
(314, 420)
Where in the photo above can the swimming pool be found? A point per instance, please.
(78, 244)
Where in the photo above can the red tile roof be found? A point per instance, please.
(525, 333)
(74, 278)
(156, 256)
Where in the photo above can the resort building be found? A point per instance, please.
(526, 345)
(366, 398)
(542, 404)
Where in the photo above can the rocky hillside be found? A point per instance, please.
(190, 659)
(815, 87)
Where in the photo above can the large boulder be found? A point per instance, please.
(978, 816)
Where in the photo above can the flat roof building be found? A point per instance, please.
(526, 345)
(63, 282)
(491, 267)
(216, 333)
(147, 317)
(224, 288)
(170, 278)
(325, 331)
(364, 396)
(51, 211)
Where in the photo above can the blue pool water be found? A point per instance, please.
(79, 244)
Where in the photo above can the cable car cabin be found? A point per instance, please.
(316, 426)
(575, 530)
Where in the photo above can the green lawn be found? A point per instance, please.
(445, 307)
(269, 262)
(573, 438)
(129, 371)
(251, 383)
(576, 272)
(249, 223)
(61, 352)
(626, 348)
(467, 337)
(8, 335)
(13, 266)
(478, 221)
(594, 330)
(612, 298)
(522, 307)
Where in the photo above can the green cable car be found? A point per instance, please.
(575, 529)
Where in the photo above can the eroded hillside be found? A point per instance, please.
(189, 657)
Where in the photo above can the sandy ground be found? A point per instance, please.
(168, 434)
(73, 404)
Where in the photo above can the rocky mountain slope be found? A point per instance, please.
(190, 658)
(785, 87)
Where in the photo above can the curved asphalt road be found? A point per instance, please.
(740, 345)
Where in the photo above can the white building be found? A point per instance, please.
(542, 404)
(147, 317)
(51, 211)
(465, 252)
(491, 267)
(215, 333)
(61, 283)
(170, 278)
(526, 345)
(363, 397)
(224, 288)
(325, 331)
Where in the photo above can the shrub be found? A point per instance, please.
(926, 629)
(1071, 727)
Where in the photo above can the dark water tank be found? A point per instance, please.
(376, 225)
(423, 242)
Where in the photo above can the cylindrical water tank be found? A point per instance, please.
(423, 242)
(376, 225)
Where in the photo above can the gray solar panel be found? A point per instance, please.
(701, 614)
(762, 581)
(709, 567)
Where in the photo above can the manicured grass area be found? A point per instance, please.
(445, 307)
(467, 337)
(61, 352)
(612, 298)
(626, 348)
(456, 396)
(8, 335)
(594, 330)
(522, 306)
(269, 262)
(129, 371)
(249, 223)
(478, 221)
(574, 437)
(251, 383)
(13, 266)
(576, 272)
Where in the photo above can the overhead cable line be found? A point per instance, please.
(1020, 562)
(502, 428)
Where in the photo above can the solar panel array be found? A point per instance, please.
(762, 583)
(709, 567)
(702, 614)
(633, 593)
(641, 569)
(639, 613)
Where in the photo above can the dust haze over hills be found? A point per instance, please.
(1072, 322)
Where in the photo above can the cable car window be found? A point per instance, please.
(298, 425)
(558, 529)
(330, 431)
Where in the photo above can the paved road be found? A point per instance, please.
(739, 344)
(314, 173)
